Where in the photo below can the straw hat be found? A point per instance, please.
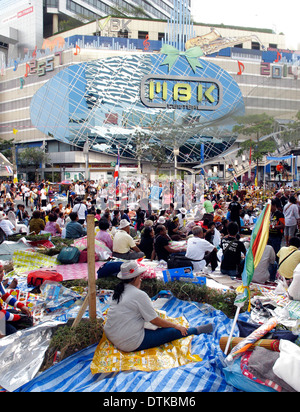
(123, 223)
(130, 270)
(182, 210)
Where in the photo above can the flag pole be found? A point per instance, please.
(232, 329)
(116, 177)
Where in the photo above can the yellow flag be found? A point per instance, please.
(15, 131)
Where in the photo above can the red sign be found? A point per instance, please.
(24, 12)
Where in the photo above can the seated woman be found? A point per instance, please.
(161, 244)
(147, 242)
(36, 224)
(52, 226)
(131, 308)
(174, 231)
(103, 235)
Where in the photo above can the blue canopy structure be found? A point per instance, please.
(278, 158)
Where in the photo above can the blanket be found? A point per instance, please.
(74, 375)
(108, 358)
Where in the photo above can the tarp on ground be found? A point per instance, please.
(74, 374)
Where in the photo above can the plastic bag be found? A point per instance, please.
(282, 286)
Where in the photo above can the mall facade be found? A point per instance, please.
(131, 86)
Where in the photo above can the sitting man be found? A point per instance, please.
(289, 258)
(267, 267)
(200, 250)
(6, 225)
(233, 249)
(74, 229)
(124, 246)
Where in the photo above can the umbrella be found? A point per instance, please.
(65, 182)
(258, 242)
(257, 334)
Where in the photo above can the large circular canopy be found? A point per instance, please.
(143, 105)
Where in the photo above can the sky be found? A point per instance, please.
(278, 15)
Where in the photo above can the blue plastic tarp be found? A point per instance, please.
(73, 374)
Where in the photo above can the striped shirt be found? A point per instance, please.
(10, 300)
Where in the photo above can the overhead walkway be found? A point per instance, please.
(240, 164)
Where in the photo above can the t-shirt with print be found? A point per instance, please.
(276, 218)
(233, 252)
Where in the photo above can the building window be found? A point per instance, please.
(161, 36)
(142, 34)
(123, 33)
(255, 45)
(273, 46)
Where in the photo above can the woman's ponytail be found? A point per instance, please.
(119, 289)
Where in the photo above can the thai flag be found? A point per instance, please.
(9, 170)
(116, 174)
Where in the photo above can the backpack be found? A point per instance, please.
(179, 261)
(83, 256)
(37, 277)
(69, 254)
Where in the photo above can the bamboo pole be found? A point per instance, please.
(271, 344)
(81, 311)
(91, 265)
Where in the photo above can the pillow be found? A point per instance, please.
(287, 367)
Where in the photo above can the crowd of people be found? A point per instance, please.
(208, 230)
(222, 220)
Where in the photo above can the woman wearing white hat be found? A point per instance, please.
(131, 308)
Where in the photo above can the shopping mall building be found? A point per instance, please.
(157, 89)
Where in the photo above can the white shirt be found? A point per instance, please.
(261, 273)
(80, 208)
(125, 320)
(43, 194)
(7, 227)
(82, 190)
(196, 248)
(291, 214)
(123, 242)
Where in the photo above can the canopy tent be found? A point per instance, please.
(278, 158)
(294, 167)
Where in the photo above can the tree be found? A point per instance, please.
(149, 149)
(256, 126)
(6, 148)
(292, 132)
(33, 156)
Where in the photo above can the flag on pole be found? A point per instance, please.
(116, 174)
(256, 177)
(9, 170)
(15, 131)
(258, 242)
